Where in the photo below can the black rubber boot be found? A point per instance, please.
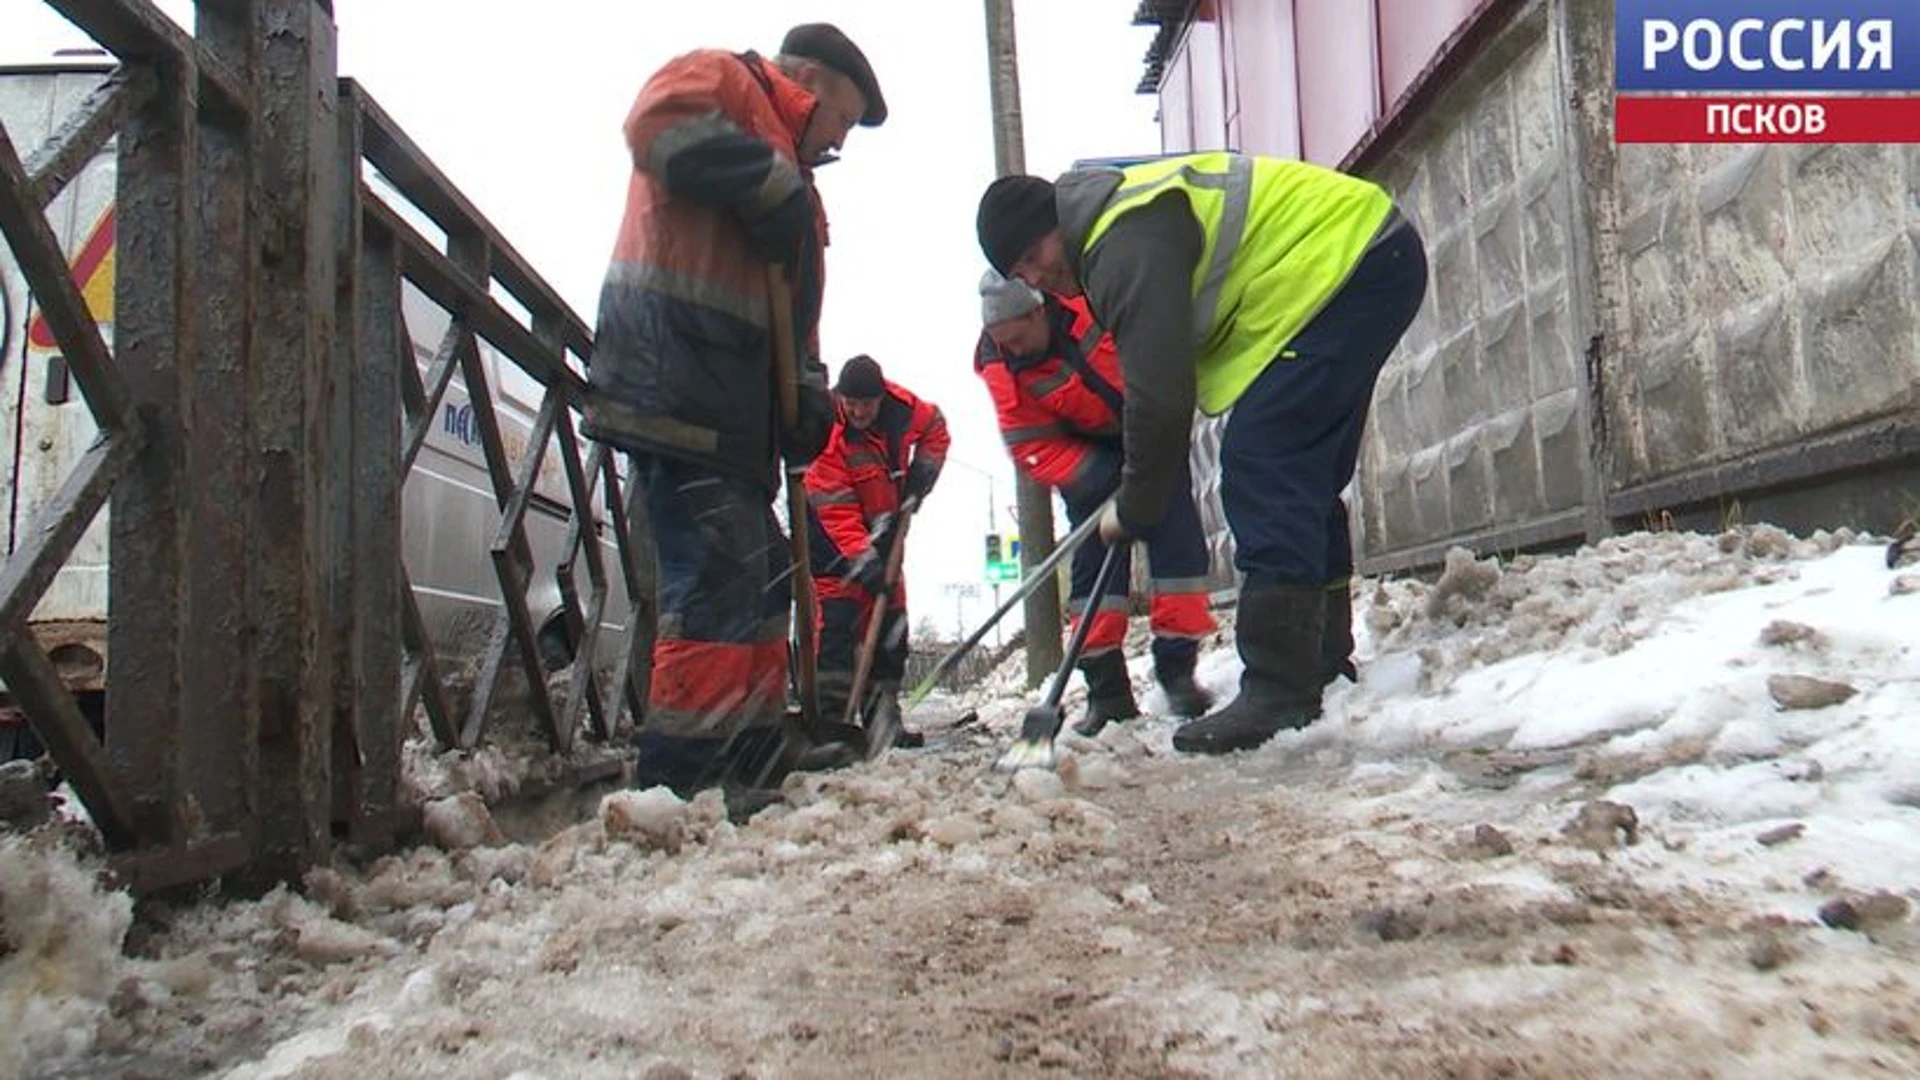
(683, 764)
(1109, 693)
(1279, 631)
(751, 782)
(1185, 698)
(834, 687)
(1336, 640)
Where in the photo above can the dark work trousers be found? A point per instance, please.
(1176, 556)
(1293, 437)
(718, 690)
(843, 628)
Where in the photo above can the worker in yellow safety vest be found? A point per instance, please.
(1273, 288)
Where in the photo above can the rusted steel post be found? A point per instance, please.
(219, 714)
(371, 346)
(156, 335)
(297, 179)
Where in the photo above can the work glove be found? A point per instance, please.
(921, 476)
(809, 436)
(1112, 529)
(868, 570)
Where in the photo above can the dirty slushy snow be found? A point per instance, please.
(1651, 809)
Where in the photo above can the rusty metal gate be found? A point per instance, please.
(259, 413)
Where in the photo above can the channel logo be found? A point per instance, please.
(1767, 71)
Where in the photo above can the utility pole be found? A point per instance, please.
(1035, 502)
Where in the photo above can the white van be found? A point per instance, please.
(449, 511)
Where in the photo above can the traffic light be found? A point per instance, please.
(993, 549)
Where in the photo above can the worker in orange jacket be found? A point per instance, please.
(884, 455)
(1055, 381)
(722, 146)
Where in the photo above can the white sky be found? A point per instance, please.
(524, 115)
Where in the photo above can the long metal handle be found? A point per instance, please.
(882, 600)
(1035, 577)
(1077, 641)
(786, 373)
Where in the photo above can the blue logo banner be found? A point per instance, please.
(1763, 45)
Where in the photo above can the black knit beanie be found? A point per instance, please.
(1015, 212)
(860, 377)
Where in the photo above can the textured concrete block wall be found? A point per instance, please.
(1774, 294)
(1477, 423)
(1767, 297)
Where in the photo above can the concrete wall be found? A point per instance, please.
(1622, 334)
(1774, 294)
(1478, 423)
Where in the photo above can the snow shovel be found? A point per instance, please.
(1037, 576)
(880, 736)
(807, 727)
(1034, 750)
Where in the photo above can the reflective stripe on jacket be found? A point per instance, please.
(1050, 414)
(683, 353)
(1280, 238)
(857, 479)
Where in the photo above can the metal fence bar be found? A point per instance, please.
(420, 672)
(414, 175)
(632, 674)
(154, 286)
(266, 636)
(465, 294)
(51, 535)
(296, 140)
(376, 593)
(137, 30)
(42, 263)
(423, 401)
(219, 737)
(583, 539)
(80, 136)
(31, 678)
(512, 557)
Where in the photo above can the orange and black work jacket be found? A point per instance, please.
(683, 355)
(856, 485)
(1058, 407)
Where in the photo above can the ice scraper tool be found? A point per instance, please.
(1037, 576)
(1034, 750)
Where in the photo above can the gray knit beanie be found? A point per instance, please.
(1005, 298)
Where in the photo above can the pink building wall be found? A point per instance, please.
(1298, 78)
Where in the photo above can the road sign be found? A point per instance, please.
(1003, 560)
(93, 272)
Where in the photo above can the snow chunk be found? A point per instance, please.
(651, 820)
(461, 821)
(1092, 773)
(1807, 692)
(953, 830)
(60, 936)
(1038, 785)
(320, 939)
(1464, 579)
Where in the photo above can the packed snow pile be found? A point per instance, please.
(1654, 802)
(60, 937)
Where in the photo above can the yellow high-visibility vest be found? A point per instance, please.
(1281, 237)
